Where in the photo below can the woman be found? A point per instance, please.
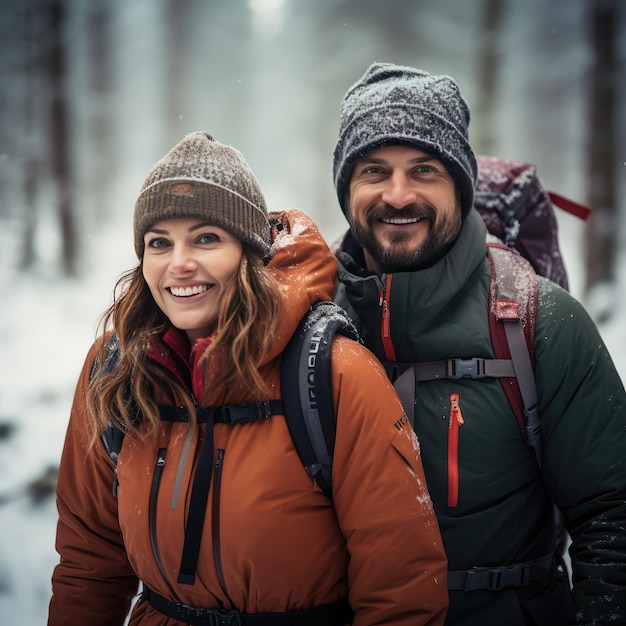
(221, 523)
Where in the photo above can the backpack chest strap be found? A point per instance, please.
(229, 414)
(463, 368)
(454, 369)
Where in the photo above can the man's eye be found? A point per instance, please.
(372, 170)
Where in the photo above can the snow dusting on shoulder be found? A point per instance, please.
(299, 224)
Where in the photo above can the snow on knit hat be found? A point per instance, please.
(200, 178)
(394, 104)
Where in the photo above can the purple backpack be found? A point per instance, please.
(520, 212)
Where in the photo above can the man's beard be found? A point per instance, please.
(397, 254)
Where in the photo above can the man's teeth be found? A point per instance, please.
(188, 291)
(400, 221)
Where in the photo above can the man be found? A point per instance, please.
(414, 276)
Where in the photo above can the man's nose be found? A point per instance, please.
(399, 191)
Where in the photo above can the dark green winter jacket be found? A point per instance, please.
(493, 503)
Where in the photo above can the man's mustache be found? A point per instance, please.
(410, 212)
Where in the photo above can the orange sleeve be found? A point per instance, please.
(93, 582)
(398, 568)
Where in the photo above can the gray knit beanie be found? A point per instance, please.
(200, 178)
(393, 104)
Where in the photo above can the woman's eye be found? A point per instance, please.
(158, 243)
(207, 238)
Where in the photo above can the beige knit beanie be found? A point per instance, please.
(200, 178)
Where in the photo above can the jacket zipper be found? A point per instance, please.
(215, 519)
(152, 517)
(390, 353)
(456, 419)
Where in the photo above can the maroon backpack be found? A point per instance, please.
(520, 212)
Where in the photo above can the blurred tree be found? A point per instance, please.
(27, 85)
(484, 128)
(56, 77)
(99, 51)
(602, 232)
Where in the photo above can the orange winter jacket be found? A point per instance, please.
(271, 541)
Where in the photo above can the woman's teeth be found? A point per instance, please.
(188, 291)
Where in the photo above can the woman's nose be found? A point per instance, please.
(183, 259)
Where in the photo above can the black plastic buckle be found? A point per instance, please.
(262, 410)
(533, 425)
(466, 368)
(497, 578)
(227, 618)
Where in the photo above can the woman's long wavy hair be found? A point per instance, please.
(248, 317)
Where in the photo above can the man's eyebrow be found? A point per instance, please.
(426, 158)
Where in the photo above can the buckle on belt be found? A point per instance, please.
(497, 578)
(227, 618)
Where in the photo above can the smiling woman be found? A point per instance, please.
(214, 512)
(187, 265)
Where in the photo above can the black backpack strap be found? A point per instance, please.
(335, 614)
(502, 576)
(112, 437)
(228, 414)
(307, 388)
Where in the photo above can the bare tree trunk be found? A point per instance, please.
(484, 140)
(101, 174)
(602, 231)
(61, 140)
(31, 159)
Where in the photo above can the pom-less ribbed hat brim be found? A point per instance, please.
(200, 178)
(397, 124)
(194, 199)
(393, 104)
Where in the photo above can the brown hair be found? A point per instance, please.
(248, 318)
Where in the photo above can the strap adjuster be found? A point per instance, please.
(262, 410)
(497, 578)
(466, 368)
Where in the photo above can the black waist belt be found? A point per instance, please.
(502, 576)
(335, 614)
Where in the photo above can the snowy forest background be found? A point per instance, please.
(94, 92)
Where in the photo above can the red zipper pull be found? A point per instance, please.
(390, 352)
(455, 410)
(456, 419)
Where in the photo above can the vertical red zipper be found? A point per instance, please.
(456, 419)
(390, 353)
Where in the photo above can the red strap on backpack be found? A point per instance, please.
(575, 208)
(512, 317)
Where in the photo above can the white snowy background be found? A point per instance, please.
(47, 322)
